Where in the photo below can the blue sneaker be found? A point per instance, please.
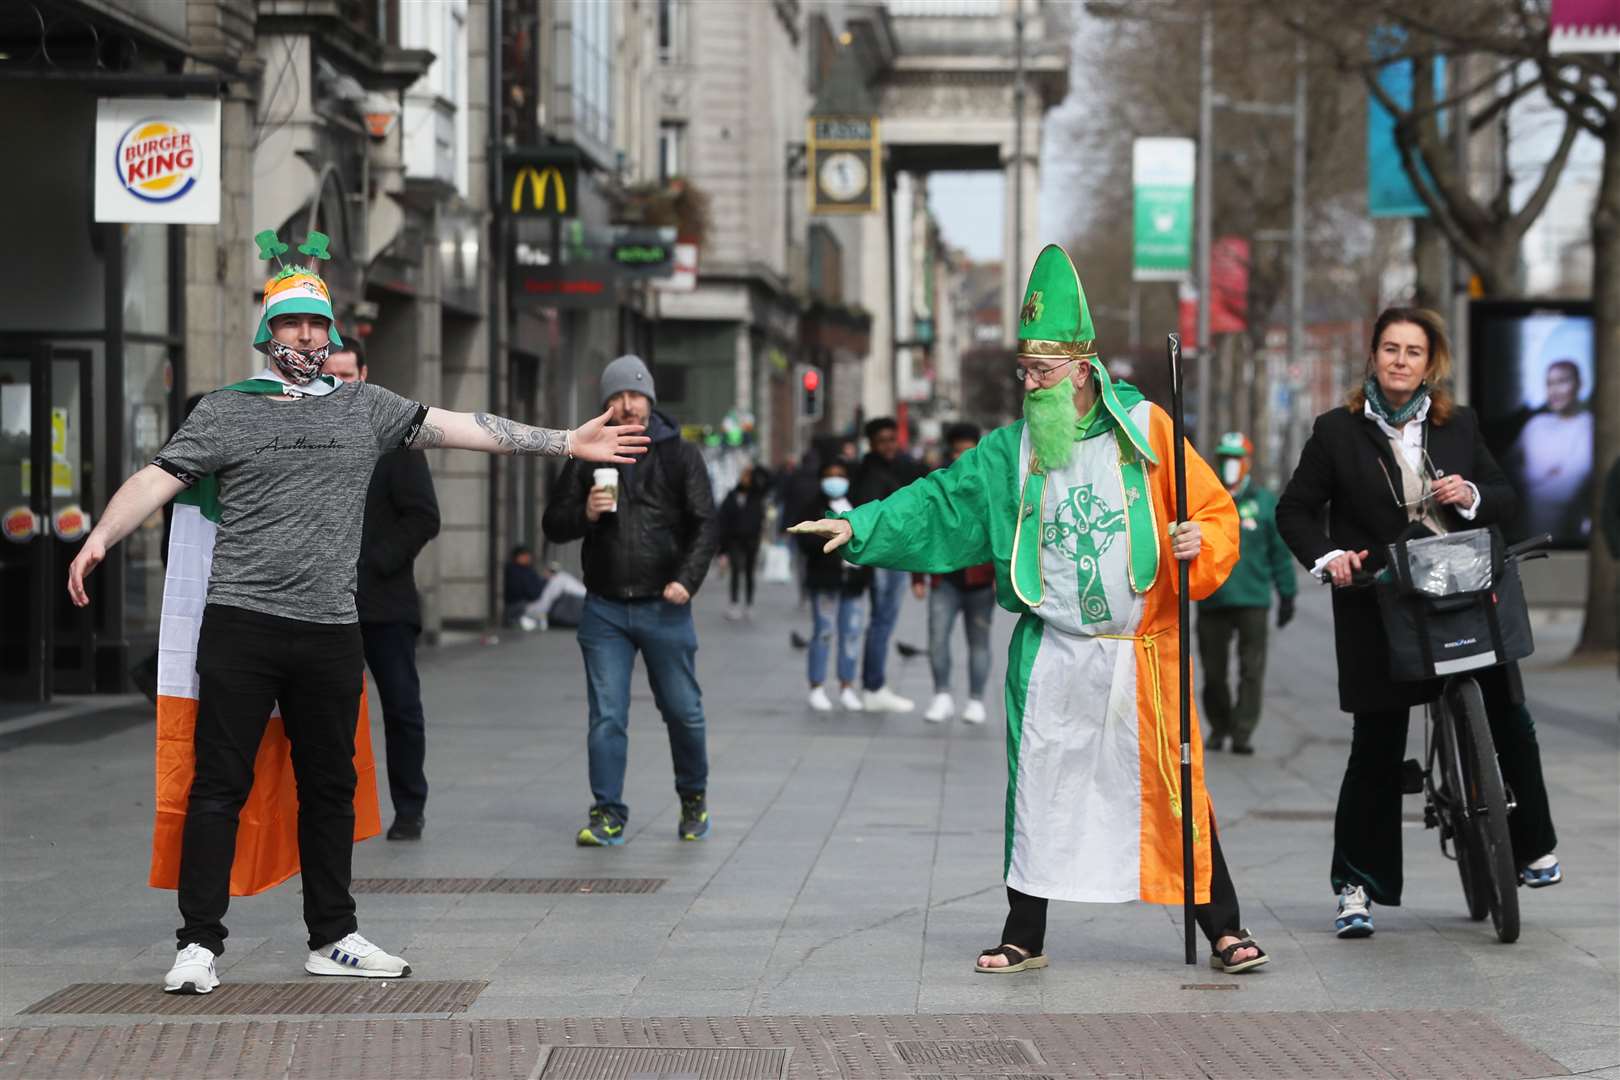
(694, 818)
(1543, 872)
(1355, 913)
(603, 830)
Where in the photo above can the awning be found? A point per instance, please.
(1584, 26)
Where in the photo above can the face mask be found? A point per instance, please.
(835, 487)
(297, 366)
(1231, 471)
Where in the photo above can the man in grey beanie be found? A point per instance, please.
(648, 542)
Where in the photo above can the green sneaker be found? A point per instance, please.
(603, 830)
(694, 818)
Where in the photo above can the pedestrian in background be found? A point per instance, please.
(742, 523)
(1240, 607)
(883, 471)
(402, 515)
(649, 537)
(1402, 459)
(969, 593)
(837, 592)
(540, 599)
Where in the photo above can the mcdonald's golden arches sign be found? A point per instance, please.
(540, 184)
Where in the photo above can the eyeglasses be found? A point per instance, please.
(1043, 376)
(1429, 475)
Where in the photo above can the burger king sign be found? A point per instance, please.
(157, 160)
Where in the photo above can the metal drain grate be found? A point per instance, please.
(977, 1054)
(507, 886)
(631, 1062)
(339, 996)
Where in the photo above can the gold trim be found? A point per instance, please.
(1078, 350)
(1018, 534)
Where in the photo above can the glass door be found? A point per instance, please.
(25, 631)
(69, 507)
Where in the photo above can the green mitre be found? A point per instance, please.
(1054, 319)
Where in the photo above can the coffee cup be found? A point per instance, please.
(608, 478)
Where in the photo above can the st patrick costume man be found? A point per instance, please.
(1075, 505)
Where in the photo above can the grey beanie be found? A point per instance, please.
(628, 372)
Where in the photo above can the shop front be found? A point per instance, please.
(91, 356)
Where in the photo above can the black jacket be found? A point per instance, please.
(829, 573)
(402, 515)
(742, 514)
(879, 478)
(664, 529)
(1342, 496)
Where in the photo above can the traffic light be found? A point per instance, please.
(810, 392)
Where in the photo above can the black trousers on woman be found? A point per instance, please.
(743, 555)
(1026, 915)
(1367, 827)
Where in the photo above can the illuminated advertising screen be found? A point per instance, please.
(1531, 369)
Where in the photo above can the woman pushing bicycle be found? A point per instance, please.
(1401, 459)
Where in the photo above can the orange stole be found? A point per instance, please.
(267, 830)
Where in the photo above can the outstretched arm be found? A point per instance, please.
(141, 496)
(594, 441)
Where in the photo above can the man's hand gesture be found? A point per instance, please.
(837, 532)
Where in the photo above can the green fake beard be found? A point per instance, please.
(1052, 419)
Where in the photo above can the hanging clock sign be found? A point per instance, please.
(845, 165)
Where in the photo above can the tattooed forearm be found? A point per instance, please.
(515, 438)
(428, 436)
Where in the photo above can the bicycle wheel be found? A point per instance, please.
(1476, 883)
(1487, 797)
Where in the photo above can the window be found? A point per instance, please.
(671, 30)
(593, 71)
(670, 138)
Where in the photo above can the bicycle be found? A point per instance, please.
(1460, 779)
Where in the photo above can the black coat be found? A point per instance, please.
(829, 573)
(1342, 496)
(664, 529)
(878, 477)
(402, 515)
(742, 514)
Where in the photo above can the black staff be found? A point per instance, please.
(1173, 347)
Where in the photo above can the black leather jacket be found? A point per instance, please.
(663, 531)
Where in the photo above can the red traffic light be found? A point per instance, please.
(812, 379)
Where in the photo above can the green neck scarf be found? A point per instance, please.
(1388, 413)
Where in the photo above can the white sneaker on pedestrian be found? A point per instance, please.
(850, 700)
(527, 623)
(974, 712)
(354, 955)
(885, 700)
(941, 709)
(734, 613)
(1354, 918)
(192, 973)
(819, 700)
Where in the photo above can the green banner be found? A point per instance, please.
(1162, 175)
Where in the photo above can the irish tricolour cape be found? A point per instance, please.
(267, 836)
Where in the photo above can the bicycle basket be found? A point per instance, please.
(1451, 604)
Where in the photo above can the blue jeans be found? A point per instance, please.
(610, 633)
(888, 590)
(975, 605)
(851, 613)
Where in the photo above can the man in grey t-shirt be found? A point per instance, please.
(292, 452)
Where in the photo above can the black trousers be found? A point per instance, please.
(246, 664)
(391, 656)
(1026, 915)
(1216, 629)
(1367, 826)
(742, 555)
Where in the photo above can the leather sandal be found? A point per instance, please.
(1017, 960)
(1222, 961)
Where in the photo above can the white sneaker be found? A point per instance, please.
(974, 712)
(734, 613)
(885, 700)
(193, 972)
(354, 955)
(941, 709)
(850, 700)
(527, 623)
(1354, 918)
(819, 700)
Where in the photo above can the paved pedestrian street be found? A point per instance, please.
(827, 928)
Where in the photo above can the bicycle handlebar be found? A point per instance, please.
(1533, 548)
